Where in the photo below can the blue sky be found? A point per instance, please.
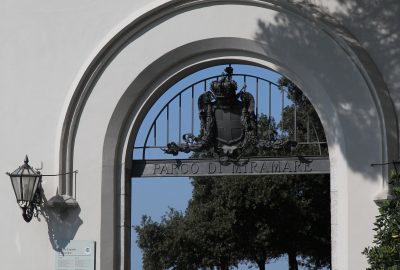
(154, 196)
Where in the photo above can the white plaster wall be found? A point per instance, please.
(373, 24)
(45, 46)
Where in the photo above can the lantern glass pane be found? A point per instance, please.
(28, 185)
(35, 186)
(16, 183)
(17, 171)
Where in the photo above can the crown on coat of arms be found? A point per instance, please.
(225, 87)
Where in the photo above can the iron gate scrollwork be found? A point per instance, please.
(228, 124)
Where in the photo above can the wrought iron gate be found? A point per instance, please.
(235, 116)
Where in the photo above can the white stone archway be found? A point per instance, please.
(157, 48)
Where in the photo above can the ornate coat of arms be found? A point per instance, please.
(228, 123)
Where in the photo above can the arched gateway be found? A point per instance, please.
(161, 45)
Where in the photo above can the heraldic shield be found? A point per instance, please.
(229, 127)
(227, 119)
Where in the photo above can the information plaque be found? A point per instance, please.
(76, 255)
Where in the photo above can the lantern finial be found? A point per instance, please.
(26, 159)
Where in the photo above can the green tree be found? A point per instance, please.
(302, 225)
(234, 211)
(167, 244)
(385, 255)
(151, 237)
(212, 228)
(308, 125)
(300, 122)
(260, 218)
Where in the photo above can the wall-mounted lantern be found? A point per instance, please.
(26, 182)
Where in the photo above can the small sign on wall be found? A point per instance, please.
(76, 255)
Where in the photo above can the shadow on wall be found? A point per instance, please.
(380, 34)
(377, 23)
(62, 223)
(348, 103)
(374, 24)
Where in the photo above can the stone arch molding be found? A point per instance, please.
(173, 39)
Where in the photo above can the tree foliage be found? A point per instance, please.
(168, 244)
(308, 126)
(385, 255)
(268, 216)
